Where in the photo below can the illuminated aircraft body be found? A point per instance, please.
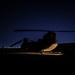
(45, 46)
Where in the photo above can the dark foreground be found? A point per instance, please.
(8, 59)
(30, 59)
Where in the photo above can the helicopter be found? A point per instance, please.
(48, 44)
(41, 44)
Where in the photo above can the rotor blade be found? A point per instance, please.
(64, 31)
(20, 42)
(20, 30)
(15, 43)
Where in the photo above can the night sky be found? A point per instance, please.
(36, 14)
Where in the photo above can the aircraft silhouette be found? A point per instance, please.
(43, 45)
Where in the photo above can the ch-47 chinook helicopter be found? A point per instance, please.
(47, 45)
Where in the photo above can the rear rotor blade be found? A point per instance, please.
(19, 42)
(15, 43)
